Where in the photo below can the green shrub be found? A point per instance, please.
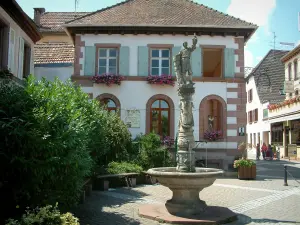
(153, 153)
(123, 167)
(46, 215)
(51, 138)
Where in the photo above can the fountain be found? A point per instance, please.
(185, 180)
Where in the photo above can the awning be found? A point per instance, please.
(285, 118)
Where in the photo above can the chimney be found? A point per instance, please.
(37, 15)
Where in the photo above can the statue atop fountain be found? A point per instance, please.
(186, 90)
(185, 181)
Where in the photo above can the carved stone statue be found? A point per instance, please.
(211, 122)
(186, 120)
(182, 63)
(186, 90)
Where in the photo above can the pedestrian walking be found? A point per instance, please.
(264, 150)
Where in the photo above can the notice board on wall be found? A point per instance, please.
(133, 119)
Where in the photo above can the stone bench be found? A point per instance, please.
(130, 179)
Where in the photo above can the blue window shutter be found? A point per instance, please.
(124, 61)
(196, 62)
(229, 62)
(175, 51)
(143, 55)
(89, 60)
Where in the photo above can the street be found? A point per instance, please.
(262, 201)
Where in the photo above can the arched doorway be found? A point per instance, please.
(160, 115)
(213, 106)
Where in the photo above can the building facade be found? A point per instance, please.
(143, 45)
(263, 88)
(18, 33)
(55, 51)
(284, 116)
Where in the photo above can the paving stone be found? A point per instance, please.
(261, 201)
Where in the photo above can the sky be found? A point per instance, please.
(275, 18)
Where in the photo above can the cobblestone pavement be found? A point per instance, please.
(262, 201)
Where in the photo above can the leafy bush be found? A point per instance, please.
(51, 137)
(153, 153)
(46, 215)
(44, 137)
(123, 167)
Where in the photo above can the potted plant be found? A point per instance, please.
(246, 168)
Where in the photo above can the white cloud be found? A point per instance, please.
(254, 11)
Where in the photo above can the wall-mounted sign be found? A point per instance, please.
(289, 86)
(133, 119)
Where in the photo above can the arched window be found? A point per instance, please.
(160, 118)
(213, 115)
(110, 104)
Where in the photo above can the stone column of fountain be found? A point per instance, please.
(186, 90)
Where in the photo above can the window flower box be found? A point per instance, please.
(161, 80)
(212, 135)
(108, 79)
(288, 102)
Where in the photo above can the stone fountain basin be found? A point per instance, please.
(201, 178)
(185, 187)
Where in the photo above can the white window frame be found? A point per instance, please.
(11, 51)
(160, 58)
(107, 58)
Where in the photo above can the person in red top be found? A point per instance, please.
(264, 150)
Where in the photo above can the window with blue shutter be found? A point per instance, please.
(160, 61)
(229, 62)
(143, 61)
(124, 61)
(89, 60)
(196, 62)
(175, 51)
(107, 61)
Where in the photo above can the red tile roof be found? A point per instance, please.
(161, 13)
(53, 53)
(52, 21)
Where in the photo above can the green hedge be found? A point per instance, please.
(51, 138)
(123, 167)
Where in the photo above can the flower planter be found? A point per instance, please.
(246, 173)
